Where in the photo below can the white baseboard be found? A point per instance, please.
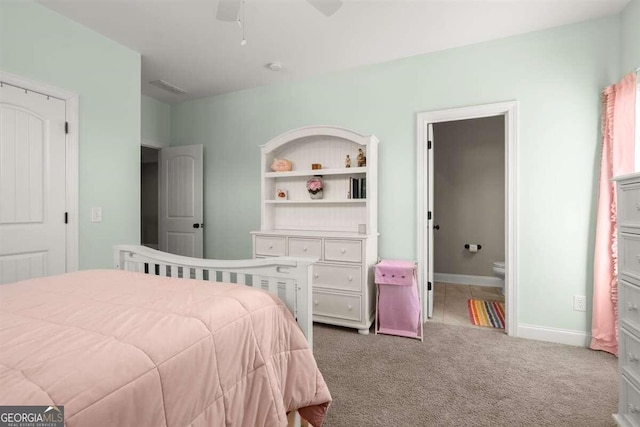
(462, 279)
(560, 336)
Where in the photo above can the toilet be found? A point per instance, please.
(498, 270)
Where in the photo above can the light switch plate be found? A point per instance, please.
(96, 214)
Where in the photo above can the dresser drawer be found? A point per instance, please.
(629, 309)
(339, 306)
(629, 356)
(629, 204)
(629, 261)
(343, 250)
(305, 247)
(272, 246)
(345, 277)
(629, 402)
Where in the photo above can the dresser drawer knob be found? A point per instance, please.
(270, 245)
(343, 250)
(304, 249)
(633, 409)
(349, 306)
(632, 307)
(316, 275)
(350, 278)
(632, 357)
(637, 205)
(638, 258)
(315, 302)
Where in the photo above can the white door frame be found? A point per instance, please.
(151, 143)
(509, 110)
(71, 105)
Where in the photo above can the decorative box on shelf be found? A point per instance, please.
(340, 230)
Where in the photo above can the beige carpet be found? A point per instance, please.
(463, 376)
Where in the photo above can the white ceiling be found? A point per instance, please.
(182, 42)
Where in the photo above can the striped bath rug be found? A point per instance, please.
(486, 313)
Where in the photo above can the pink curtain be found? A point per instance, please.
(618, 141)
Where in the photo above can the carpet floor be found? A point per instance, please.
(463, 376)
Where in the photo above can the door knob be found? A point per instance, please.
(436, 227)
(196, 225)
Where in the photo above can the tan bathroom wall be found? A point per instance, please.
(469, 195)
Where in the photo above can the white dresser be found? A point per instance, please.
(628, 191)
(342, 278)
(340, 231)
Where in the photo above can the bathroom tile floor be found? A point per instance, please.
(450, 302)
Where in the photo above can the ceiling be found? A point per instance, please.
(182, 43)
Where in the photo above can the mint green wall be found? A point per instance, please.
(156, 121)
(630, 55)
(556, 76)
(42, 45)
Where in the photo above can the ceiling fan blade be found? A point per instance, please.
(327, 7)
(228, 10)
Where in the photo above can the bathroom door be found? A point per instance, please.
(430, 221)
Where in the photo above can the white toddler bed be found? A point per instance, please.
(290, 279)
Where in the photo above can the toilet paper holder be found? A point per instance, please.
(467, 246)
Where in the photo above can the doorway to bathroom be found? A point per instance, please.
(466, 208)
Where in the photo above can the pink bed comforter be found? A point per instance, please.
(127, 349)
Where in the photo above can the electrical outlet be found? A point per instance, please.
(579, 303)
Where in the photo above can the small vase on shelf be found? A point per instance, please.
(314, 187)
(316, 196)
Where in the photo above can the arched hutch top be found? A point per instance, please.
(318, 131)
(340, 209)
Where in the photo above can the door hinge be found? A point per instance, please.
(429, 215)
(428, 145)
(66, 217)
(66, 127)
(428, 286)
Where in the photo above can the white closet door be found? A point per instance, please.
(180, 198)
(32, 185)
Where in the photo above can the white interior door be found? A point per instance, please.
(32, 185)
(180, 219)
(430, 220)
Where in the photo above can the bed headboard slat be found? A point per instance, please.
(241, 279)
